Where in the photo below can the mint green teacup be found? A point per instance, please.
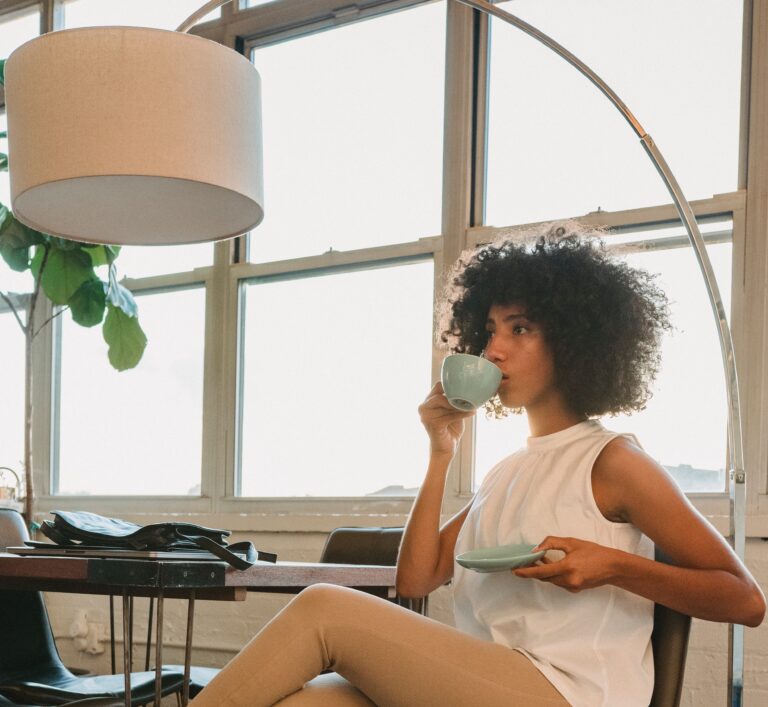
(469, 381)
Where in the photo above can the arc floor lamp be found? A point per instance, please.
(110, 142)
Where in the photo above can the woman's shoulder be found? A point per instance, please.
(621, 469)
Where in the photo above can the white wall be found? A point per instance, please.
(222, 627)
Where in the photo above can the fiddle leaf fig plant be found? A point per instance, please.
(67, 273)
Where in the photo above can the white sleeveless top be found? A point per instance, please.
(594, 646)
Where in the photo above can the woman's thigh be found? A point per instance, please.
(400, 658)
(395, 657)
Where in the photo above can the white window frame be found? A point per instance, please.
(463, 187)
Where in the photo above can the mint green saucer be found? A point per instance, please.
(499, 559)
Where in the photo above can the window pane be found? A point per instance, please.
(690, 389)
(332, 379)
(15, 29)
(558, 148)
(142, 13)
(144, 261)
(12, 407)
(352, 148)
(139, 431)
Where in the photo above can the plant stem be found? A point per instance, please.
(50, 319)
(29, 486)
(29, 335)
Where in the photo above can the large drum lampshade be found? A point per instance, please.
(134, 136)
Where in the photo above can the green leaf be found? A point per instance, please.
(125, 339)
(3, 162)
(16, 239)
(119, 296)
(36, 261)
(102, 254)
(17, 258)
(88, 302)
(3, 134)
(2, 71)
(64, 272)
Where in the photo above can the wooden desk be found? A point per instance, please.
(189, 580)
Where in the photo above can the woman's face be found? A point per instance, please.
(518, 347)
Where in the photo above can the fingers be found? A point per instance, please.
(436, 405)
(543, 571)
(552, 542)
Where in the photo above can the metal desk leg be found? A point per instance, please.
(149, 632)
(126, 649)
(159, 648)
(130, 630)
(112, 631)
(188, 648)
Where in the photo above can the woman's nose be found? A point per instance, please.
(492, 350)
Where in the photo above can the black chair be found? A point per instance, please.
(369, 546)
(31, 671)
(671, 631)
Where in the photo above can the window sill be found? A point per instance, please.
(313, 515)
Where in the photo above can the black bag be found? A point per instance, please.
(73, 528)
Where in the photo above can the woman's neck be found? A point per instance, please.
(546, 419)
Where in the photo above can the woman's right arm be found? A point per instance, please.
(426, 554)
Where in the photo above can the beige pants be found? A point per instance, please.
(389, 656)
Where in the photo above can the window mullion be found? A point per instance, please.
(457, 212)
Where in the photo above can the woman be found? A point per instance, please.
(576, 335)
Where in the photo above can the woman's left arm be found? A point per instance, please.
(706, 580)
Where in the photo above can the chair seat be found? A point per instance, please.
(56, 687)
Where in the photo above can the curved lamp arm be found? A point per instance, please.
(737, 483)
(198, 14)
(735, 436)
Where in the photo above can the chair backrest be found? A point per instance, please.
(369, 546)
(26, 639)
(362, 546)
(671, 630)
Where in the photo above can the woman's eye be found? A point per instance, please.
(520, 329)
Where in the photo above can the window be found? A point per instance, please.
(152, 414)
(347, 349)
(693, 449)
(557, 148)
(374, 184)
(353, 149)
(334, 368)
(137, 432)
(12, 409)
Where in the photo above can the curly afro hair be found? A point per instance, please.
(602, 319)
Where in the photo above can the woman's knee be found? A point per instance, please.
(328, 604)
(323, 596)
